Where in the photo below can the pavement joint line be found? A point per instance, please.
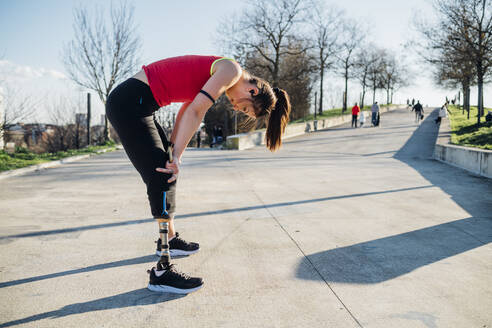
(309, 260)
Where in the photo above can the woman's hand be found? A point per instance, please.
(171, 168)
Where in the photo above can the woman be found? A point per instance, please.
(355, 113)
(196, 81)
(443, 111)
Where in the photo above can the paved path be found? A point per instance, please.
(341, 228)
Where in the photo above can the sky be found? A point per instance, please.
(33, 34)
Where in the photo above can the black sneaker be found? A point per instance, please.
(173, 281)
(178, 247)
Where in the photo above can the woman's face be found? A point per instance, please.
(240, 97)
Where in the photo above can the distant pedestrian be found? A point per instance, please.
(419, 111)
(198, 138)
(443, 112)
(375, 114)
(413, 102)
(214, 136)
(355, 113)
(488, 117)
(362, 118)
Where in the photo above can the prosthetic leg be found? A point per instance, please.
(165, 259)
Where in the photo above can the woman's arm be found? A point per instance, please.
(226, 75)
(178, 120)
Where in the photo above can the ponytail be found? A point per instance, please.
(279, 117)
(273, 103)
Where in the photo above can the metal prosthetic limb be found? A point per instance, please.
(165, 259)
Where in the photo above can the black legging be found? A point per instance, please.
(130, 108)
(354, 120)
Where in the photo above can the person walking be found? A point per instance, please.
(419, 112)
(375, 114)
(443, 112)
(362, 118)
(196, 81)
(355, 113)
(198, 138)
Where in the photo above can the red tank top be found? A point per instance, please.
(178, 79)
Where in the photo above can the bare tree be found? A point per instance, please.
(267, 28)
(326, 23)
(454, 70)
(476, 31)
(62, 116)
(393, 75)
(17, 107)
(101, 54)
(352, 38)
(465, 30)
(375, 70)
(267, 39)
(363, 64)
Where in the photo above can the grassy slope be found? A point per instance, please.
(22, 157)
(465, 132)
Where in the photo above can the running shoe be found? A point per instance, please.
(178, 247)
(170, 280)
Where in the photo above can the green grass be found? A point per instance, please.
(464, 131)
(23, 157)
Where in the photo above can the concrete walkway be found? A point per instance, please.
(341, 228)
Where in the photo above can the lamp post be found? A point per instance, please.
(315, 123)
(88, 119)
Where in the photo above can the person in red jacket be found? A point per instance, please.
(195, 81)
(355, 113)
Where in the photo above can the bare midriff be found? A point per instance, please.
(141, 76)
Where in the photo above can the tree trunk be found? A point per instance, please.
(387, 96)
(107, 135)
(345, 98)
(480, 92)
(362, 98)
(77, 142)
(321, 91)
(459, 102)
(88, 119)
(373, 95)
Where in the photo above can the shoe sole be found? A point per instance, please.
(173, 290)
(177, 252)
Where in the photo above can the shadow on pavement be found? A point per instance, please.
(136, 260)
(390, 257)
(133, 298)
(386, 258)
(68, 230)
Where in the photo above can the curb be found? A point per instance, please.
(42, 166)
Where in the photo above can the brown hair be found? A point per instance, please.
(275, 103)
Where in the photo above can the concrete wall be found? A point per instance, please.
(256, 138)
(475, 160)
